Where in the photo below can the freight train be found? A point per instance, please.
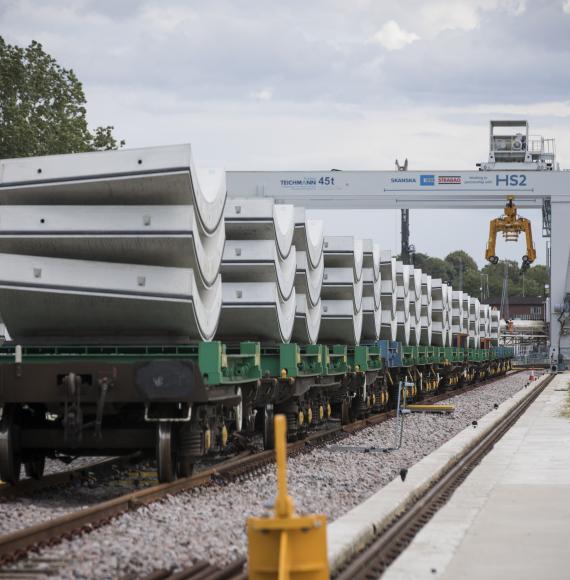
(182, 402)
(145, 312)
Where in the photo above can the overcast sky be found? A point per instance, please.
(301, 84)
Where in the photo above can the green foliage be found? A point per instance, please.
(42, 107)
(449, 270)
(439, 268)
(461, 260)
(420, 260)
(103, 140)
(534, 279)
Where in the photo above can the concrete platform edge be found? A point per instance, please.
(350, 533)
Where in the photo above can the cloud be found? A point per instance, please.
(465, 15)
(167, 18)
(262, 95)
(566, 6)
(392, 37)
(327, 83)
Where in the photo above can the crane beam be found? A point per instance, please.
(396, 190)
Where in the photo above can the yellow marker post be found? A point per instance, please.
(286, 546)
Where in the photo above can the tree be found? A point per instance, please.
(449, 269)
(420, 260)
(472, 282)
(42, 107)
(439, 268)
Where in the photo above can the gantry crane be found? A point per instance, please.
(510, 224)
(518, 164)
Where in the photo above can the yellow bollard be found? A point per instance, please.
(286, 546)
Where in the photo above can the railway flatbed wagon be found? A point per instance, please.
(180, 402)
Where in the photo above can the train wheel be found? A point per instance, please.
(35, 468)
(268, 428)
(294, 421)
(165, 456)
(10, 463)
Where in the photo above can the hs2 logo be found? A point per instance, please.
(511, 180)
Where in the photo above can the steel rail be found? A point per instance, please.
(393, 540)
(198, 571)
(17, 544)
(29, 486)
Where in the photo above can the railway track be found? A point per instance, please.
(16, 545)
(393, 540)
(72, 476)
(199, 571)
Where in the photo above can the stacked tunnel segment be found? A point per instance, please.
(309, 242)
(258, 269)
(121, 244)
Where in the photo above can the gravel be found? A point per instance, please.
(57, 466)
(209, 523)
(36, 507)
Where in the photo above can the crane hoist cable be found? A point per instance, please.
(511, 225)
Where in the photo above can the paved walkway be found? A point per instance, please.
(511, 518)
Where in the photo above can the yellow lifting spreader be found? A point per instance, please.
(286, 546)
(511, 225)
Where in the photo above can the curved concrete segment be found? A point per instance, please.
(389, 327)
(495, 325)
(457, 319)
(388, 282)
(310, 262)
(256, 310)
(371, 271)
(258, 271)
(485, 321)
(474, 337)
(43, 298)
(309, 281)
(259, 261)
(342, 290)
(446, 294)
(149, 176)
(426, 311)
(415, 306)
(371, 301)
(260, 219)
(439, 329)
(388, 299)
(403, 303)
(307, 321)
(339, 284)
(339, 323)
(344, 252)
(372, 320)
(465, 309)
(403, 328)
(156, 235)
(309, 278)
(309, 237)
